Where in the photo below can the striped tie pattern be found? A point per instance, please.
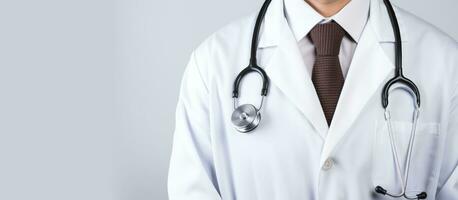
(327, 74)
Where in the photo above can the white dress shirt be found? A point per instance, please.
(302, 18)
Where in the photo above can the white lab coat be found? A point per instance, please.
(293, 154)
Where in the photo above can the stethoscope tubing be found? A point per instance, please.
(246, 112)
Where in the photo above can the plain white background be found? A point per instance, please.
(88, 90)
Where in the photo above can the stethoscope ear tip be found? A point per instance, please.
(422, 195)
(379, 189)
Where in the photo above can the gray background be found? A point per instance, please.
(88, 90)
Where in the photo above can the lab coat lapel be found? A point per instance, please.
(368, 72)
(287, 71)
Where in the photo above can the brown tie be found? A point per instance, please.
(327, 74)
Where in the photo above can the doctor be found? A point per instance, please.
(324, 133)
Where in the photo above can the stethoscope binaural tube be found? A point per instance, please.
(398, 75)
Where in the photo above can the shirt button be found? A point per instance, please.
(328, 163)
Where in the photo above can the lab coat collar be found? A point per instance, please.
(275, 17)
(368, 72)
(287, 69)
(302, 17)
(287, 72)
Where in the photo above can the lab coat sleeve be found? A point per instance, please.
(191, 173)
(449, 172)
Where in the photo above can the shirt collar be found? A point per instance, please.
(302, 17)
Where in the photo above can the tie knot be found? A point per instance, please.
(327, 38)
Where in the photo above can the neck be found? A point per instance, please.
(327, 8)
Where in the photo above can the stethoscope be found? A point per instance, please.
(247, 117)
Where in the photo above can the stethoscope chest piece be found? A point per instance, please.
(246, 118)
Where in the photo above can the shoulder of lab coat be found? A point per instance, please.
(424, 36)
(225, 43)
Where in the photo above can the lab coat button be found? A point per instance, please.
(328, 163)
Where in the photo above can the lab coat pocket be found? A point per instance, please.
(422, 165)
